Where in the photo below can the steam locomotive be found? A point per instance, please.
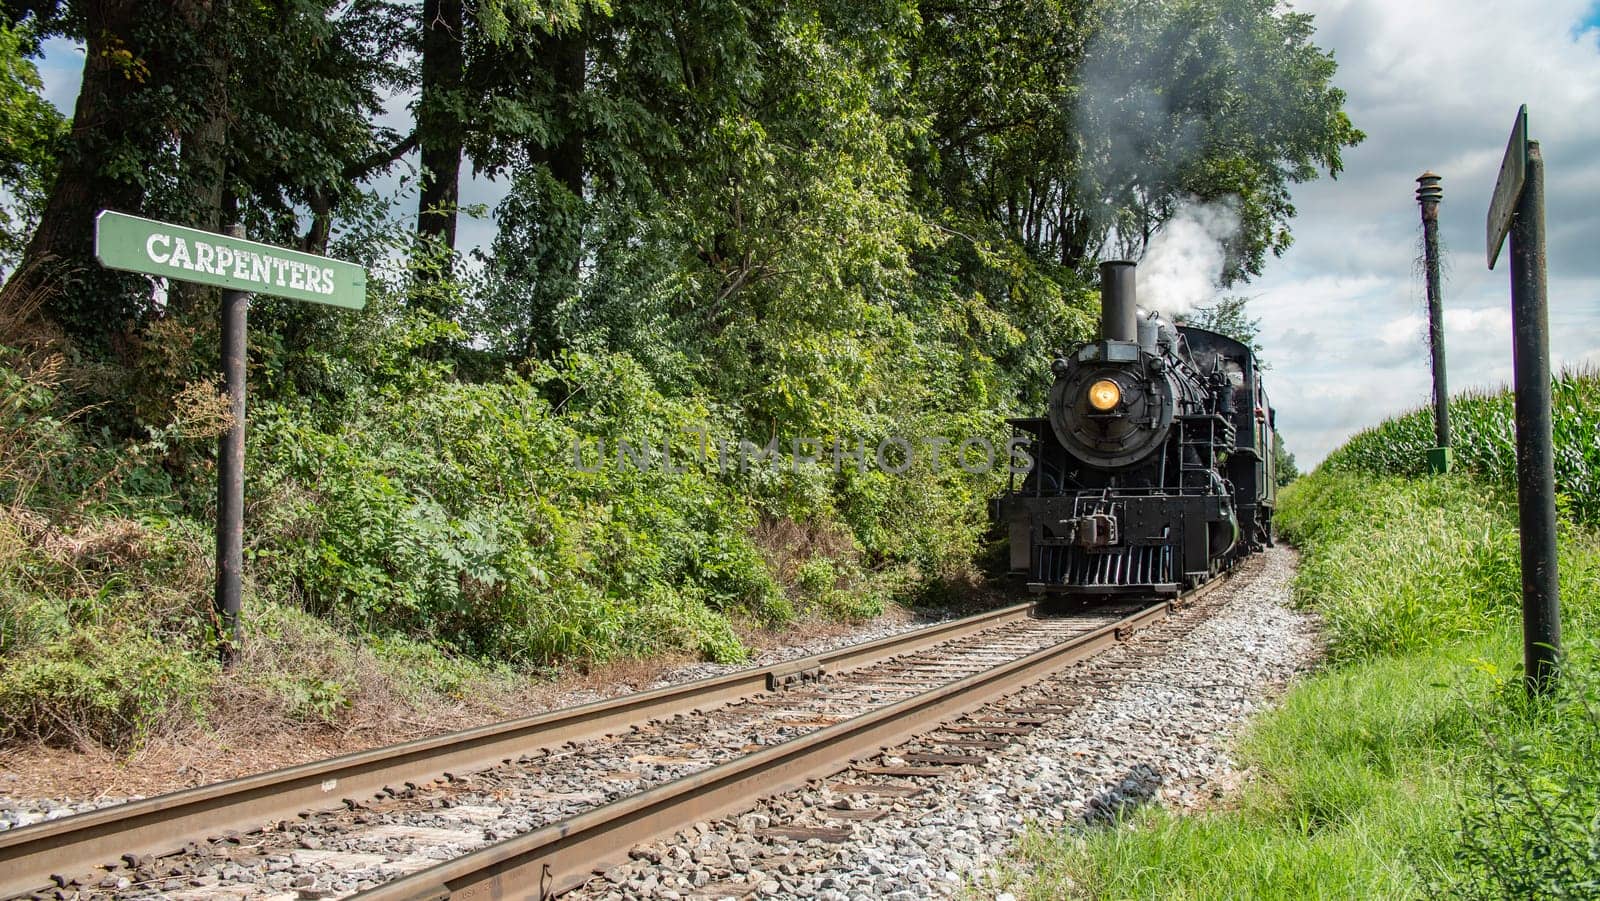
(1153, 469)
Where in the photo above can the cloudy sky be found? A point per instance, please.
(1435, 84)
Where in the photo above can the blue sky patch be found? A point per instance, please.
(1590, 21)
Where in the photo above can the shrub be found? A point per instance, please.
(1530, 828)
(113, 688)
(457, 514)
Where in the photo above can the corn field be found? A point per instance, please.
(1483, 432)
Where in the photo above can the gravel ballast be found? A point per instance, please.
(1150, 723)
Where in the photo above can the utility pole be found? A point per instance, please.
(1429, 193)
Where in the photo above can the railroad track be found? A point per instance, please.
(535, 806)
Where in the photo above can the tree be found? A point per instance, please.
(1204, 99)
(440, 115)
(1067, 125)
(31, 132)
(1283, 461)
(534, 124)
(199, 111)
(445, 105)
(1228, 317)
(107, 163)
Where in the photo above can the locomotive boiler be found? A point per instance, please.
(1152, 467)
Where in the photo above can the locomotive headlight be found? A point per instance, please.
(1104, 395)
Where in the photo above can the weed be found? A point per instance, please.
(103, 687)
(1531, 825)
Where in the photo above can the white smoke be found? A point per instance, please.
(1182, 265)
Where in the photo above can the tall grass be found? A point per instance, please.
(1396, 565)
(1412, 767)
(1483, 432)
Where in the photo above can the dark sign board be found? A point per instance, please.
(1508, 187)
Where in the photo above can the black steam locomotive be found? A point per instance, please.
(1153, 468)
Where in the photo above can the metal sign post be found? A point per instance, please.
(230, 473)
(239, 267)
(1518, 207)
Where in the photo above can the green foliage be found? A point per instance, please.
(1483, 426)
(112, 688)
(1534, 828)
(1395, 565)
(1283, 461)
(1228, 317)
(1069, 125)
(839, 589)
(436, 517)
(31, 132)
(1207, 99)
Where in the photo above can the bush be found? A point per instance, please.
(1530, 828)
(457, 514)
(106, 687)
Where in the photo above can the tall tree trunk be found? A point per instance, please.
(203, 155)
(568, 63)
(559, 260)
(439, 128)
(316, 238)
(62, 246)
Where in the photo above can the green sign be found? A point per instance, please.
(191, 255)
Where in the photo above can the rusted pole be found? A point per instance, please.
(1536, 480)
(230, 474)
(1429, 193)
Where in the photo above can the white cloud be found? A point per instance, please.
(1435, 85)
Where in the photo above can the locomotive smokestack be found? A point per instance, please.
(1118, 303)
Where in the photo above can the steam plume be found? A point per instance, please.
(1182, 266)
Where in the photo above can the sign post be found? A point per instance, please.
(230, 472)
(1518, 207)
(239, 267)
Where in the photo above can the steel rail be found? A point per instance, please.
(563, 855)
(76, 845)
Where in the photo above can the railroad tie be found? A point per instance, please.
(904, 771)
(806, 833)
(875, 788)
(945, 759)
(843, 813)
